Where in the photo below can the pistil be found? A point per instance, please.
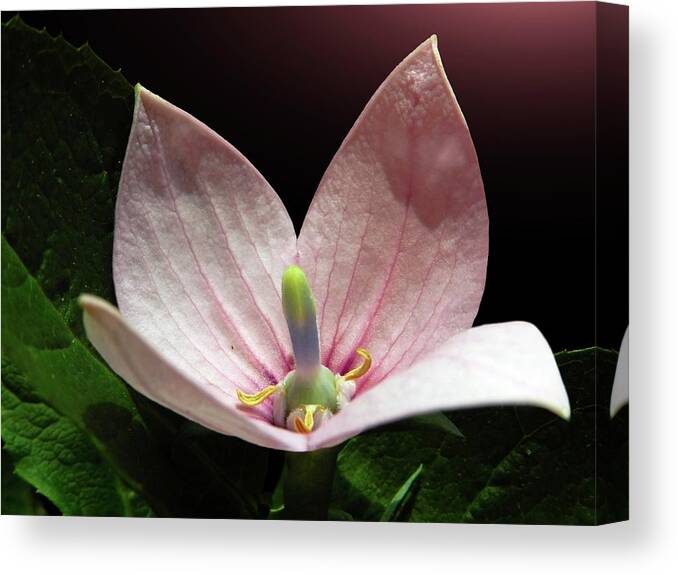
(311, 393)
(299, 309)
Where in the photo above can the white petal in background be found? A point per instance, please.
(620, 388)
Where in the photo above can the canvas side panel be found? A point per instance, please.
(612, 254)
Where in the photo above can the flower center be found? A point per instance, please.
(311, 393)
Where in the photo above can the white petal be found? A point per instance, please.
(201, 241)
(620, 388)
(157, 377)
(395, 241)
(499, 364)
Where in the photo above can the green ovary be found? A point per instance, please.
(319, 389)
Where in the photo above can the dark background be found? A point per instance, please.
(284, 85)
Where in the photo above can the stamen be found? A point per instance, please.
(306, 425)
(256, 398)
(361, 369)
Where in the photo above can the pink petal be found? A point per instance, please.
(507, 363)
(395, 241)
(171, 383)
(201, 241)
(620, 387)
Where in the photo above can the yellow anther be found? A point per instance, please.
(256, 398)
(306, 425)
(361, 369)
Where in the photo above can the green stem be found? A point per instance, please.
(308, 483)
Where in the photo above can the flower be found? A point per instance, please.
(395, 246)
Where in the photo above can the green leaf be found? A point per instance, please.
(224, 475)
(431, 422)
(43, 359)
(515, 465)
(394, 508)
(18, 496)
(66, 118)
(55, 456)
(332, 515)
(182, 472)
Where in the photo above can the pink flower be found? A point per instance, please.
(394, 246)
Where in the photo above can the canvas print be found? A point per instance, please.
(317, 263)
